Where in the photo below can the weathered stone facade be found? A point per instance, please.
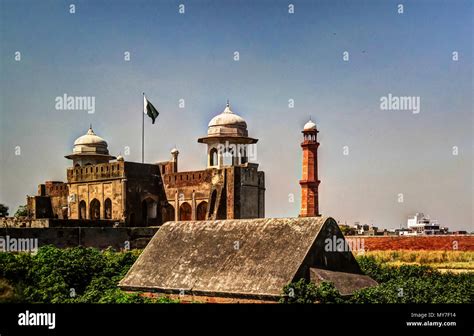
(226, 193)
(122, 191)
(51, 201)
(139, 194)
(98, 236)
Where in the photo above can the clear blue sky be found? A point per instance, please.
(282, 57)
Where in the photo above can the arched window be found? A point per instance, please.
(77, 165)
(94, 209)
(228, 157)
(168, 213)
(108, 208)
(213, 204)
(185, 212)
(152, 207)
(82, 210)
(201, 211)
(213, 157)
(149, 210)
(243, 155)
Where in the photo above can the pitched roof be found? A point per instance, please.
(249, 257)
(346, 283)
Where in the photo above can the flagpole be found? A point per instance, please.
(143, 129)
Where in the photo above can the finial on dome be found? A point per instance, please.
(227, 107)
(310, 125)
(90, 131)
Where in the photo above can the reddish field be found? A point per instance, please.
(464, 243)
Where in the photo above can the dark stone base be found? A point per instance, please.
(118, 238)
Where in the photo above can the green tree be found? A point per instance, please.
(3, 210)
(22, 211)
(347, 230)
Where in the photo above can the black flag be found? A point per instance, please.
(149, 109)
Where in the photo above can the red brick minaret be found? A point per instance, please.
(309, 181)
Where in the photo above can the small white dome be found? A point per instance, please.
(120, 158)
(227, 124)
(90, 138)
(174, 151)
(227, 118)
(90, 143)
(309, 126)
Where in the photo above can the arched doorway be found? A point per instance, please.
(168, 213)
(94, 209)
(82, 210)
(201, 211)
(212, 206)
(64, 212)
(149, 207)
(108, 209)
(185, 212)
(131, 219)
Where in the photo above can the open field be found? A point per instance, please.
(456, 261)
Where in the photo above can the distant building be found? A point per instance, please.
(423, 225)
(405, 232)
(361, 229)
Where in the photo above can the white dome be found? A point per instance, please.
(227, 124)
(309, 126)
(90, 144)
(90, 139)
(227, 118)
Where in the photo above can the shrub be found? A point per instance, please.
(404, 284)
(22, 211)
(72, 275)
(307, 292)
(87, 275)
(7, 292)
(441, 288)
